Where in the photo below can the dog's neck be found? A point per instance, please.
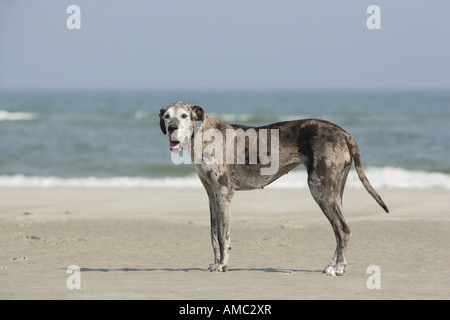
(209, 122)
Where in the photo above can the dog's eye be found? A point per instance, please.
(184, 115)
(166, 116)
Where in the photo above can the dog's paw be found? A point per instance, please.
(217, 267)
(334, 270)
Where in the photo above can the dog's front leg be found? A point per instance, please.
(220, 232)
(214, 229)
(213, 217)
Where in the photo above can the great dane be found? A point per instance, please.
(326, 150)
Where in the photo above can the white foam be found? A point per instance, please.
(16, 116)
(21, 181)
(139, 115)
(387, 177)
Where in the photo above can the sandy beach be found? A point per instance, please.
(145, 243)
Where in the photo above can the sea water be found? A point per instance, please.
(113, 139)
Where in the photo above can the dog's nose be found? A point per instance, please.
(172, 128)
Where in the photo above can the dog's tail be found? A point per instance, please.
(354, 151)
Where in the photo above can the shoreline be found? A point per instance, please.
(380, 178)
(149, 243)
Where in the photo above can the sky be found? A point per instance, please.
(224, 45)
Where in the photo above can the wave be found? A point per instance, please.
(139, 115)
(21, 181)
(387, 177)
(16, 116)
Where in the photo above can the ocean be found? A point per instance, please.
(113, 139)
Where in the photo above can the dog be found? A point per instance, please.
(325, 149)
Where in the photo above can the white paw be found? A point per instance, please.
(217, 267)
(334, 270)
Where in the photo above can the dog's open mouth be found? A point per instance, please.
(175, 146)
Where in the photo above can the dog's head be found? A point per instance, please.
(177, 121)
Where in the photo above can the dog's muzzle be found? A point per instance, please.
(175, 146)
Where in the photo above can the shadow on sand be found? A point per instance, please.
(280, 270)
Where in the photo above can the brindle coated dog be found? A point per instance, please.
(326, 150)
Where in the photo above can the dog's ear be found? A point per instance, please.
(198, 113)
(161, 120)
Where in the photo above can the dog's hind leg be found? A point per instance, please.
(326, 187)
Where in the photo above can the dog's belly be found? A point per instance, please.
(248, 177)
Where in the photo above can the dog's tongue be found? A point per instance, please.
(174, 144)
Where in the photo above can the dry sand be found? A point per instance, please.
(155, 244)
